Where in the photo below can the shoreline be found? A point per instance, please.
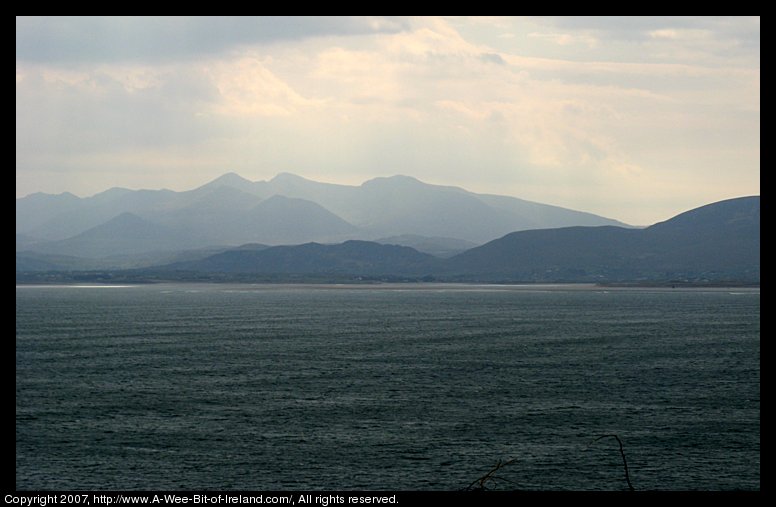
(409, 286)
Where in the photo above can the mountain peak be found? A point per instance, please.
(66, 196)
(395, 180)
(231, 179)
(285, 177)
(739, 209)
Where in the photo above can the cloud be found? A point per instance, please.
(492, 58)
(640, 27)
(367, 97)
(566, 39)
(248, 88)
(154, 39)
(702, 39)
(680, 34)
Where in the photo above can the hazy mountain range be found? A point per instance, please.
(173, 236)
(121, 227)
(717, 242)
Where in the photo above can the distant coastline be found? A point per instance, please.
(84, 280)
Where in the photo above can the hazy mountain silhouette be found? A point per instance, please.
(229, 210)
(536, 242)
(225, 215)
(34, 261)
(284, 220)
(126, 233)
(716, 242)
(36, 210)
(231, 180)
(400, 205)
(24, 241)
(61, 219)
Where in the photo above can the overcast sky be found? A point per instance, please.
(633, 118)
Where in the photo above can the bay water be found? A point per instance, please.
(386, 387)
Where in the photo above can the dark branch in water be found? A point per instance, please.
(481, 484)
(622, 453)
(490, 476)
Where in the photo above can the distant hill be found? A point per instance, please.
(23, 242)
(716, 238)
(35, 261)
(351, 258)
(438, 247)
(282, 220)
(32, 261)
(124, 234)
(718, 241)
(37, 208)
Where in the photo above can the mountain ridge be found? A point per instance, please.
(387, 226)
(352, 257)
(219, 212)
(723, 245)
(712, 248)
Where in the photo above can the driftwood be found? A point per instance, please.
(622, 453)
(481, 484)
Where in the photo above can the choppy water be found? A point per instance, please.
(280, 387)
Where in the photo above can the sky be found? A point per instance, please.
(633, 118)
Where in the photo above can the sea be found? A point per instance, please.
(387, 387)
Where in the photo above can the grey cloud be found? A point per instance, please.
(97, 39)
(492, 58)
